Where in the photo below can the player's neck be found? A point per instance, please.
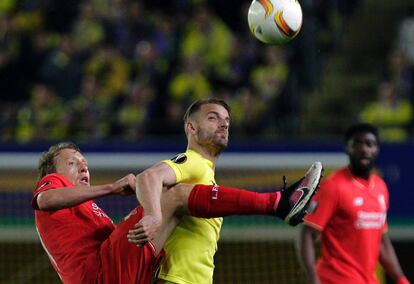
(364, 174)
(204, 152)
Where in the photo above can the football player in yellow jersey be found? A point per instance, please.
(191, 247)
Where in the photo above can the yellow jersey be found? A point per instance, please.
(190, 249)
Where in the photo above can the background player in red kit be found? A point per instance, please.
(83, 244)
(349, 214)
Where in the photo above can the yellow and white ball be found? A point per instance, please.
(275, 21)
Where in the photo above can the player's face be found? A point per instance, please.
(362, 150)
(73, 166)
(212, 127)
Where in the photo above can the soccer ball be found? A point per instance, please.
(275, 21)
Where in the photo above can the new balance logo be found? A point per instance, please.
(43, 185)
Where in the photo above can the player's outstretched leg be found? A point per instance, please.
(295, 198)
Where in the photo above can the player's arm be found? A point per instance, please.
(149, 186)
(389, 260)
(308, 238)
(65, 197)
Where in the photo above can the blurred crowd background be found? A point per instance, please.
(105, 73)
(125, 70)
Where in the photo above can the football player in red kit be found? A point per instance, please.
(349, 213)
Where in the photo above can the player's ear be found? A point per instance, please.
(190, 128)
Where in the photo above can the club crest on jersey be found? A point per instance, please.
(179, 159)
(358, 201)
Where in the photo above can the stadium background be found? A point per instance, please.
(116, 76)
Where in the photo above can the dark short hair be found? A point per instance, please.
(47, 159)
(361, 127)
(195, 106)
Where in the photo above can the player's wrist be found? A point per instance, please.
(402, 280)
(110, 189)
(156, 215)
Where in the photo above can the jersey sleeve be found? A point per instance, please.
(323, 206)
(387, 202)
(48, 182)
(185, 169)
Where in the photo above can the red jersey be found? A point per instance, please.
(72, 237)
(351, 213)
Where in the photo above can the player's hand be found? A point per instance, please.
(145, 230)
(125, 185)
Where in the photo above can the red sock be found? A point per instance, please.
(209, 201)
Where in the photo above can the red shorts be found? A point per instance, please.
(125, 263)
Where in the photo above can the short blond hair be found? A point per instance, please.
(47, 159)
